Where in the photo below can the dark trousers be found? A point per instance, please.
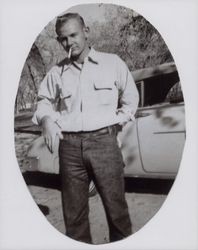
(96, 156)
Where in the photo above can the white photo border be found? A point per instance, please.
(175, 226)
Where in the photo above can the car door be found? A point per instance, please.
(161, 130)
(161, 136)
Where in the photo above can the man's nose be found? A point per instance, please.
(69, 42)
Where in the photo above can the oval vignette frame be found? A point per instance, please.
(33, 178)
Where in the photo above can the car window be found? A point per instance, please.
(159, 89)
(175, 94)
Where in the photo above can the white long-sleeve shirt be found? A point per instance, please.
(99, 93)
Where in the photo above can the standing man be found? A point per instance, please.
(82, 100)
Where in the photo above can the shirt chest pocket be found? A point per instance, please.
(106, 92)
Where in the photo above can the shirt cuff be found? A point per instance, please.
(125, 116)
(37, 117)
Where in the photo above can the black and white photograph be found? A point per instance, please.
(100, 124)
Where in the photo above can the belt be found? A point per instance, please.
(111, 130)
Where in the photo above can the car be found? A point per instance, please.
(152, 146)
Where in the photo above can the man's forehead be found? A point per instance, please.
(71, 24)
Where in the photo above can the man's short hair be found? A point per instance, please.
(61, 20)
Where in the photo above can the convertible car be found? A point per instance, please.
(152, 146)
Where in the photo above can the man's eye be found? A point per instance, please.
(61, 39)
(73, 35)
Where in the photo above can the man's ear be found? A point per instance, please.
(86, 30)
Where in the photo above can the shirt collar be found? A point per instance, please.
(93, 57)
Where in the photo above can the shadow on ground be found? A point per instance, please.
(42, 179)
(44, 209)
(152, 186)
(132, 185)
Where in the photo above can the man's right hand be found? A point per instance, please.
(50, 131)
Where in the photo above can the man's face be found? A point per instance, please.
(73, 35)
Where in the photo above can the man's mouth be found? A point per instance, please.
(71, 50)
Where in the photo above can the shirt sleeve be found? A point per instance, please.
(128, 94)
(48, 94)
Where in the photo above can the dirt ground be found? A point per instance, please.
(144, 197)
